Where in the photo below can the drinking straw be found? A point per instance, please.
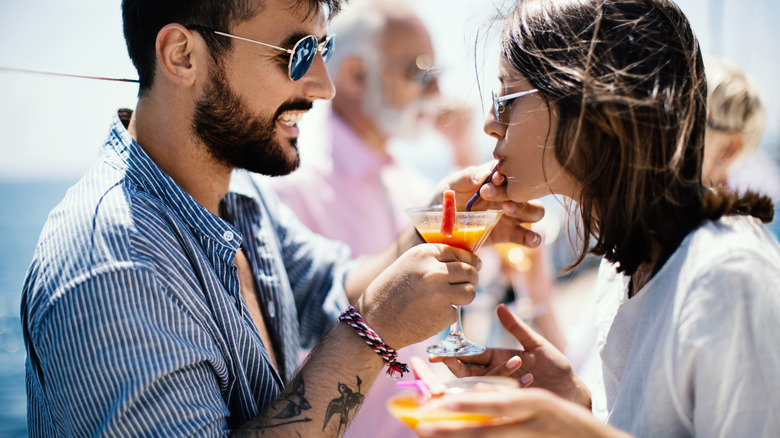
(427, 378)
(418, 384)
(476, 195)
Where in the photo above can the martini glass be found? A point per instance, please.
(470, 231)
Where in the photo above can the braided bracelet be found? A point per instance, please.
(395, 369)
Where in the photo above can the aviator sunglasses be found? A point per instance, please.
(301, 55)
(501, 102)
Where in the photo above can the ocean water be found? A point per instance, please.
(24, 207)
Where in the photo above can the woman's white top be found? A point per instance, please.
(697, 351)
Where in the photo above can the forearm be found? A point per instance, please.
(325, 394)
(547, 325)
(541, 284)
(365, 273)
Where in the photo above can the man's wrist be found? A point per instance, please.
(353, 318)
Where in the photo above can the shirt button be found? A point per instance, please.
(228, 235)
(271, 310)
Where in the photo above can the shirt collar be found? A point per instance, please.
(126, 155)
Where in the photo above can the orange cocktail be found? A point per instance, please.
(467, 237)
(412, 408)
(469, 231)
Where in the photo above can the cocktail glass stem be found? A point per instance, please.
(455, 344)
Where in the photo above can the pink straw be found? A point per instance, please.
(418, 384)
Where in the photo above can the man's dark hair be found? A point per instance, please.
(143, 19)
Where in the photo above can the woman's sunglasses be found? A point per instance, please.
(301, 55)
(501, 102)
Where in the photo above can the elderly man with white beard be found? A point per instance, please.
(349, 187)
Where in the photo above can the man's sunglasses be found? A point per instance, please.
(501, 102)
(422, 71)
(301, 55)
(423, 77)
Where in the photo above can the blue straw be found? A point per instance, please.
(476, 195)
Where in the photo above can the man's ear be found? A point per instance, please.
(175, 48)
(351, 79)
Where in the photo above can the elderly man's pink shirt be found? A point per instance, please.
(358, 196)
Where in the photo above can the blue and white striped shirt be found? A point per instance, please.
(133, 319)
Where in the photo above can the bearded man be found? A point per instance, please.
(170, 293)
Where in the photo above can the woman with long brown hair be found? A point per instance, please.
(604, 102)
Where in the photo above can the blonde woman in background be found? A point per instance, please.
(735, 124)
(735, 119)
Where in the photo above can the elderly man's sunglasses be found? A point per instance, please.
(301, 55)
(501, 102)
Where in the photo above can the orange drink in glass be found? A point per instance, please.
(469, 232)
(413, 408)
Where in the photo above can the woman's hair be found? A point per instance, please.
(143, 20)
(626, 81)
(734, 102)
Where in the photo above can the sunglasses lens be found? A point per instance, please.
(327, 51)
(495, 107)
(302, 56)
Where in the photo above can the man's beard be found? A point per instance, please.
(406, 123)
(238, 139)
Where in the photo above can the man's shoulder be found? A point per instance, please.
(105, 236)
(105, 206)
(105, 222)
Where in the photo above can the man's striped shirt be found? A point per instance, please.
(133, 319)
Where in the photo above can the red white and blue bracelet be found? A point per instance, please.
(395, 369)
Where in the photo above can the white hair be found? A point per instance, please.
(358, 28)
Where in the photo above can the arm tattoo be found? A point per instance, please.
(343, 404)
(286, 409)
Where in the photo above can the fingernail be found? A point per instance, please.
(488, 191)
(526, 379)
(535, 239)
(479, 264)
(513, 362)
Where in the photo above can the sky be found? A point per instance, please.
(53, 127)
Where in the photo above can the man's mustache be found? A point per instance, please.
(293, 105)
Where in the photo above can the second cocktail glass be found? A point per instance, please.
(413, 408)
(470, 231)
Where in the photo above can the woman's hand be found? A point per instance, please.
(510, 228)
(548, 366)
(528, 413)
